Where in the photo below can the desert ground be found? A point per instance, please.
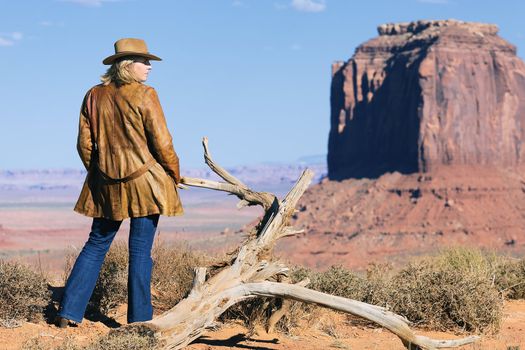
(41, 229)
(329, 331)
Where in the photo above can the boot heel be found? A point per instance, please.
(62, 322)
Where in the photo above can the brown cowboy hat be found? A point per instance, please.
(130, 47)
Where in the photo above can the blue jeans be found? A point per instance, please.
(84, 274)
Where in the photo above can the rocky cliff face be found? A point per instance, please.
(425, 94)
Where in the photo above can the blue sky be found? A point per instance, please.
(252, 75)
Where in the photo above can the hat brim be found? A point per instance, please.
(112, 58)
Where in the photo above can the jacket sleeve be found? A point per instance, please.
(84, 139)
(158, 135)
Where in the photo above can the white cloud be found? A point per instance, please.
(9, 39)
(436, 2)
(309, 5)
(89, 3)
(51, 24)
(6, 42)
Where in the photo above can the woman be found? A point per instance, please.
(133, 172)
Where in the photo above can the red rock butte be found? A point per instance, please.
(426, 150)
(425, 94)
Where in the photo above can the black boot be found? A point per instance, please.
(62, 322)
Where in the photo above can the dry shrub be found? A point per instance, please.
(506, 274)
(173, 272)
(338, 281)
(445, 298)
(69, 260)
(301, 316)
(35, 344)
(133, 338)
(453, 291)
(24, 294)
(510, 279)
(298, 313)
(460, 289)
(50, 343)
(335, 281)
(256, 311)
(471, 260)
(252, 312)
(69, 343)
(457, 290)
(111, 288)
(377, 285)
(172, 275)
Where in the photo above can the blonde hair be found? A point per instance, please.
(120, 73)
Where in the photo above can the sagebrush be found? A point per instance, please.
(171, 278)
(460, 289)
(24, 294)
(136, 338)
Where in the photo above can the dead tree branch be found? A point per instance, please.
(248, 275)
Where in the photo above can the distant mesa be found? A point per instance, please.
(426, 146)
(425, 94)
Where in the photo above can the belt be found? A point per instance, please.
(139, 172)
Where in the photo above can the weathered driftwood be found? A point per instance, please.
(251, 273)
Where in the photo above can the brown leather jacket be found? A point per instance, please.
(125, 145)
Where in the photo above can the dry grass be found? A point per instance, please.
(446, 297)
(24, 294)
(460, 290)
(510, 278)
(136, 338)
(111, 288)
(173, 272)
(337, 281)
(35, 344)
(172, 275)
(139, 338)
